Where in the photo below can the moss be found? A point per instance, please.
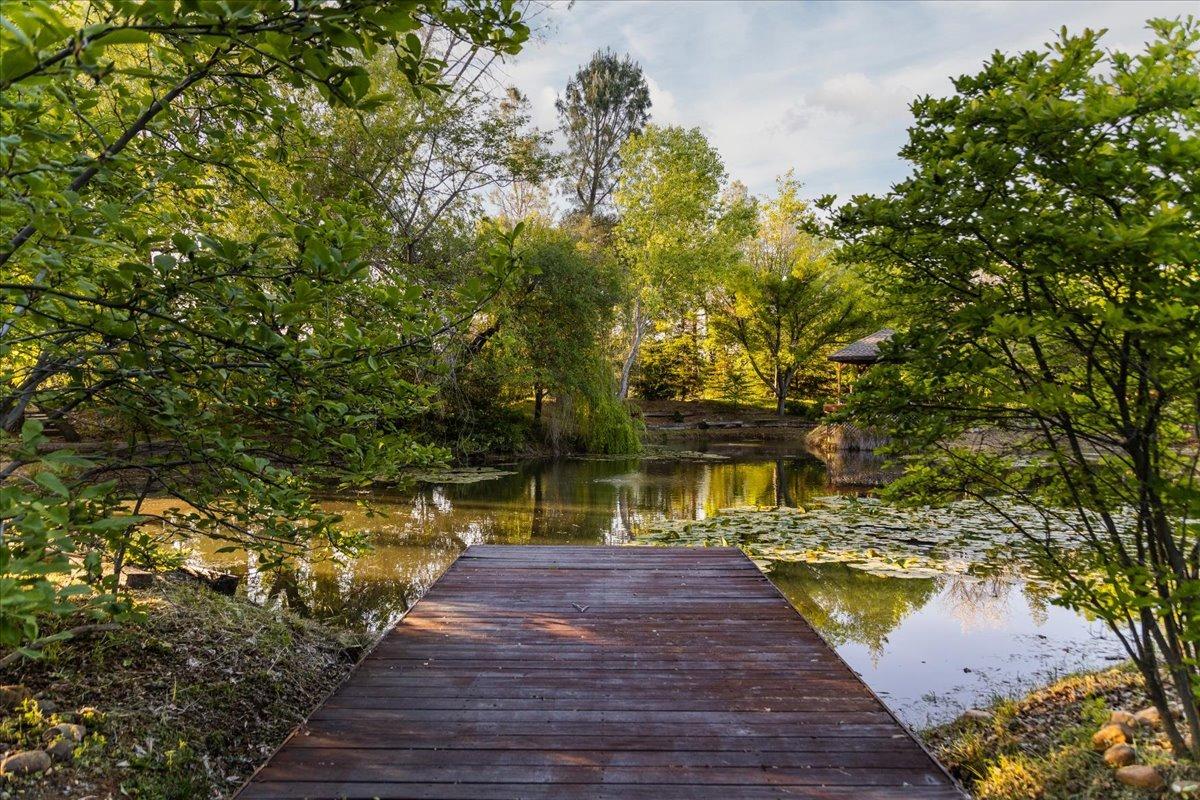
(1039, 746)
(183, 705)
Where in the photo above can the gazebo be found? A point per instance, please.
(859, 354)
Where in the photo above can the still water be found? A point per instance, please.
(930, 647)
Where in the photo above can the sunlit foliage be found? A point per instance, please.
(1043, 257)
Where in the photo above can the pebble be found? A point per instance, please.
(13, 694)
(1110, 734)
(47, 707)
(61, 750)
(1140, 776)
(1120, 755)
(1185, 787)
(25, 762)
(1149, 717)
(979, 715)
(65, 730)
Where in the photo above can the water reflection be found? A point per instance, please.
(849, 605)
(929, 646)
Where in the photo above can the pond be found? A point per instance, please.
(930, 643)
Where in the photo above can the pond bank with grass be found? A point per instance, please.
(1045, 744)
(185, 703)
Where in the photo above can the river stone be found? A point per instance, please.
(65, 730)
(61, 750)
(1149, 717)
(13, 695)
(1110, 734)
(979, 715)
(1123, 718)
(1140, 776)
(1119, 755)
(25, 762)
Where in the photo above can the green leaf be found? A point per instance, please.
(48, 480)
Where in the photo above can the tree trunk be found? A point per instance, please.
(538, 394)
(783, 385)
(639, 329)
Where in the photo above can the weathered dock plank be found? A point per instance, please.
(601, 672)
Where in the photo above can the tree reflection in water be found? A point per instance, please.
(849, 605)
(578, 501)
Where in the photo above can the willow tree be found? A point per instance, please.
(160, 280)
(1045, 253)
(605, 103)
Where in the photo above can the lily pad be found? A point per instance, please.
(462, 475)
(967, 538)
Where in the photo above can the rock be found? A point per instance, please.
(47, 707)
(1140, 776)
(1185, 787)
(1148, 717)
(979, 715)
(13, 695)
(1123, 718)
(138, 579)
(61, 750)
(1120, 755)
(26, 762)
(1110, 734)
(72, 733)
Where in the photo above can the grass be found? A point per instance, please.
(1039, 747)
(185, 704)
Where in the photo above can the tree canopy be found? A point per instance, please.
(676, 229)
(1043, 259)
(160, 272)
(787, 302)
(605, 103)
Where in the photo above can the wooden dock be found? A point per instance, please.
(601, 672)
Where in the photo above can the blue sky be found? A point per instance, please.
(818, 87)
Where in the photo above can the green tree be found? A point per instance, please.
(677, 229)
(605, 103)
(424, 163)
(561, 312)
(672, 365)
(788, 302)
(419, 168)
(159, 274)
(1044, 254)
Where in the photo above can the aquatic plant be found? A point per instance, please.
(961, 538)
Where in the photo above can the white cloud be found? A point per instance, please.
(662, 104)
(821, 87)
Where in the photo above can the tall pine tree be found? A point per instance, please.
(604, 104)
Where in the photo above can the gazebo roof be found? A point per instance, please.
(863, 351)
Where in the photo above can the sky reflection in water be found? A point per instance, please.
(929, 647)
